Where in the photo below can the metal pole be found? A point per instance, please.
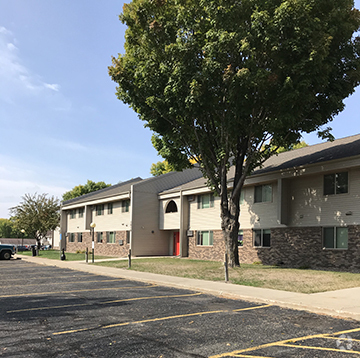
(226, 268)
(129, 265)
(93, 245)
(87, 255)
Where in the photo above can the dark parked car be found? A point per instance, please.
(6, 251)
(23, 248)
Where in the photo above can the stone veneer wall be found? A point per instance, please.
(104, 248)
(292, 247)
(213, 253)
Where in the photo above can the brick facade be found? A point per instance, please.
(291, 247)
(104, 248)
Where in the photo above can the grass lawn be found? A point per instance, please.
(278, 278)
(55, 255)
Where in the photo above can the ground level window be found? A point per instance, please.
(240, 238)
(99, 237)
(110, 237)
(262, 237)
(72, 237)
(335, 237)
(205, 238)
(79, 237)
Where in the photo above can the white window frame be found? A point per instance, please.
(99, 237)
(336, 189)
(99, 209)
(205, 204)
(264, 195)
(72, 237)
(336, 237)
(73, 214)
(200, 238)
(110, 208)
(262, 233)
(125, 206)
(108, 235)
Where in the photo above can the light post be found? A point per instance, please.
(22, 238)
(92, 229)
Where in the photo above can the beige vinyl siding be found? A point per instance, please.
(145, 221)
(259, 215)
(76, 224)
(169, 221)
(145, 217)
(117, 221)
(205, 219)
(309, 207)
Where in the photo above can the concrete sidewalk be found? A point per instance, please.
(341, 303)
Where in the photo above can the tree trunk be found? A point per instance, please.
(230, 229)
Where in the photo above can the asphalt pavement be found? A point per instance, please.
(341, 303)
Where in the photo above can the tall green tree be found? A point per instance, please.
(160, 168)
(219, 80)
(37, 214)
(79, 190)
(7, 228)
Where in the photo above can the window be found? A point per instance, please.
(81, 212)
(171, 207)
(240, 238)
(72, 237)
(79, 237)
(99, 236)
(72, 214)
(205, 238)
(128, 237)
(263, 193)
(336, 183)
(110, 208)
(335, 237)
(125, 206)
(100, 209)
(242, 198)
(205, 201)
(110, 237)
(262, 238)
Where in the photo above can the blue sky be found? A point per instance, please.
(61, 123)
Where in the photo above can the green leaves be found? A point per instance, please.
(37, 214)
(216, 80)
(79, 190)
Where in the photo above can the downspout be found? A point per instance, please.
(131, 216)
(181, 225)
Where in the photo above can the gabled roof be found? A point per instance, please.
(104, 193)
(338, 149)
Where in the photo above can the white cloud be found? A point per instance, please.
(17, 80)
(53, 87)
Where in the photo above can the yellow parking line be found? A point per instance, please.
(135, 322)
(73, 291)
(316, 348)
(151, 320)
(251, 308)
(246, 356)
(287, 341)
(67, 282)
(103, 303)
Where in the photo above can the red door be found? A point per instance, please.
(176, 250)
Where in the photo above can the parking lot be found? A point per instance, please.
(47, 311)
